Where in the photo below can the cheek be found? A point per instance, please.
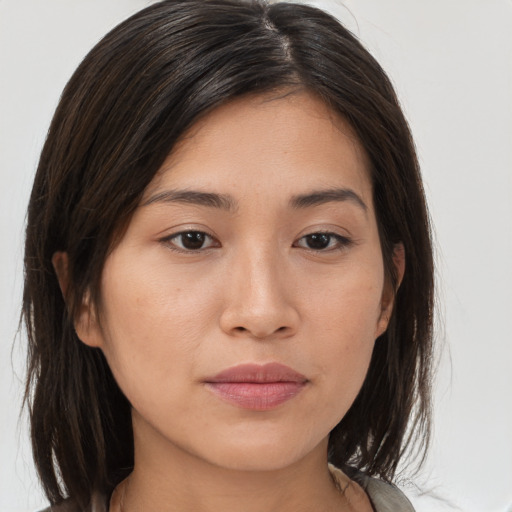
(153, 323)
(347, 303)
(342, 324)
(147, 296)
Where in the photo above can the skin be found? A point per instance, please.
(255, 292)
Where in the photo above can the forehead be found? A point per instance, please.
(265, 144)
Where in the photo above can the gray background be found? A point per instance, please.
(451, 62)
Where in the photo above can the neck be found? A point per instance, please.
(169, 479)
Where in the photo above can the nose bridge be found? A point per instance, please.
(259, 300)
(259, 287)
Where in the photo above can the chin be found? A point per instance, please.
(263, 455)
(258, 460)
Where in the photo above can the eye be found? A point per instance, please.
(189, 241)
(323, 242)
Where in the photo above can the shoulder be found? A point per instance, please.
(385, 497)
(98, 503)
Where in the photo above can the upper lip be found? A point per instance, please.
(257, 373)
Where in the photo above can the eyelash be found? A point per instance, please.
(169, 241)
(342, 242)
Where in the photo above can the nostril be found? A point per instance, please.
(240, 329)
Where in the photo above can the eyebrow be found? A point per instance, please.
(320, 197)
(226, 202)
(210, 199)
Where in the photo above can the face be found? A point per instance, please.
(241, 307)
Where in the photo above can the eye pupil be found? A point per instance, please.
(193, 240)
(318, 240)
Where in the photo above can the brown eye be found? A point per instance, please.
(323, 242)
(318, 241)
(190, 241)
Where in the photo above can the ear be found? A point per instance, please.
(86, 323)
(60, 262)
(388, 294)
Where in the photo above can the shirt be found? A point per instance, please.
(384, 497)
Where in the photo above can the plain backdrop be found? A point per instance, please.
(451, 62)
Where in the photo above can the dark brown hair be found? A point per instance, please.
(119, 117)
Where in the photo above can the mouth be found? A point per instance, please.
(257, 387)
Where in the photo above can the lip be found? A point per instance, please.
(257, 387)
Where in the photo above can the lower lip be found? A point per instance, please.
(260, 396)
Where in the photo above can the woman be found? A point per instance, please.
(228, 270)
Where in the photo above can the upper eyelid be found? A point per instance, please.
(329, 232)
(203, 231)
(183, 231)
(188, 230)
(327, 228)
(343, 239)
(167, 240)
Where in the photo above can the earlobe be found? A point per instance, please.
(389, 292)
(85, 321)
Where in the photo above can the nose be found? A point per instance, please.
(259, 298)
